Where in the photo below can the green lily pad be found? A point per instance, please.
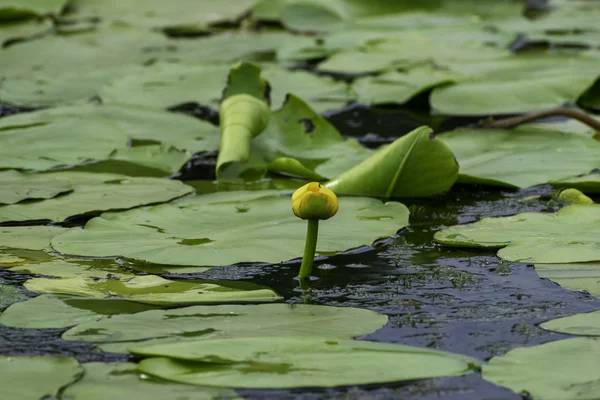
(585, 324)
(28, 237)
(226, 321)
(573, 276)
(8, 260)
(573, 376)
(395, 87)
(102, 192)
(16, 30)
(517, 158)
(121, 381)
(165, 85)
(11, 9)
(517, 84)
(62, 311)
(9, 295)
(587, 183)
(36, 377)
(152, 289)
(229, 232)
(568, 236)
(68, 269)
(17, 187)
(52, 138)
(416, 165)
(286, 362)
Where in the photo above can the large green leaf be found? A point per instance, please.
(22, 29)
(518, 158)
(28, 237)
(259, 229)
(119, 332)
(52, 138)
(14, 9)
(587, 324)
(101, 192)
(17, 187)
(587, 183)
(152, 289)
(121, 381)
(36, 377)
(62, 311)
(416, 165)
(570, 235)
(573, 276)
(165, 85)
(561, 370)
(516, 85)
(285, 362)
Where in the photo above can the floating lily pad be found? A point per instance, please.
(517, 84)
(573, 276)
(570, 235)
(229, 232)
(11, 9)
(102, 192)
(62, 311)
(28, 237)
(121, 381)
(286, 362)
(587, 183)
(573, 374)
(70, 269)
(10, 260)
(165, 85)
(585, 324)
(36, 377)
(16, 30)
(152, 289)
(517, 158)
(17, 187)
(214, 322)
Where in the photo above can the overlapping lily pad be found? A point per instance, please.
(570, 235)
(28, 237)
(101, 192)
(119, 332)
(586, 183)
(285, 362)
(257, 230)
(11, 10)
(121, 381)
(152, 289)
(17, 187)
(517, 158)
(36, 377)
(573, 374)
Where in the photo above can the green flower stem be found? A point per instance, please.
(310, 247)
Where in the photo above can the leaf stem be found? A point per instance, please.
(507, 123)
(312, 231)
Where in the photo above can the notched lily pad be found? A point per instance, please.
(286, 362)
(570, 235)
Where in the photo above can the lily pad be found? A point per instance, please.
(573, 376)
(570, 235)
(17, 187)
(102, 192)
(226, 321)
(98, 269)
(36, 377)
(573, 276)
(16, 30)
(587, 183)
(121, 381)
(517, 84)
(585, 324)
(28, 237)
(229, 232)
(152, 289)
(11, 9)
(517, 158)
(286, 362)
(62, 311)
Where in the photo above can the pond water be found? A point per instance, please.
(463, 301)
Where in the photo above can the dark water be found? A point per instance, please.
(462, 301)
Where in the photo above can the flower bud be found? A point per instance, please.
(314, 201)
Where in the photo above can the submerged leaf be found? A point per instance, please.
(214, 322)
(570, 235)
(228, 231)
(286, 362)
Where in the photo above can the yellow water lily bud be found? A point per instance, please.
(314, 201)
(574, 196)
